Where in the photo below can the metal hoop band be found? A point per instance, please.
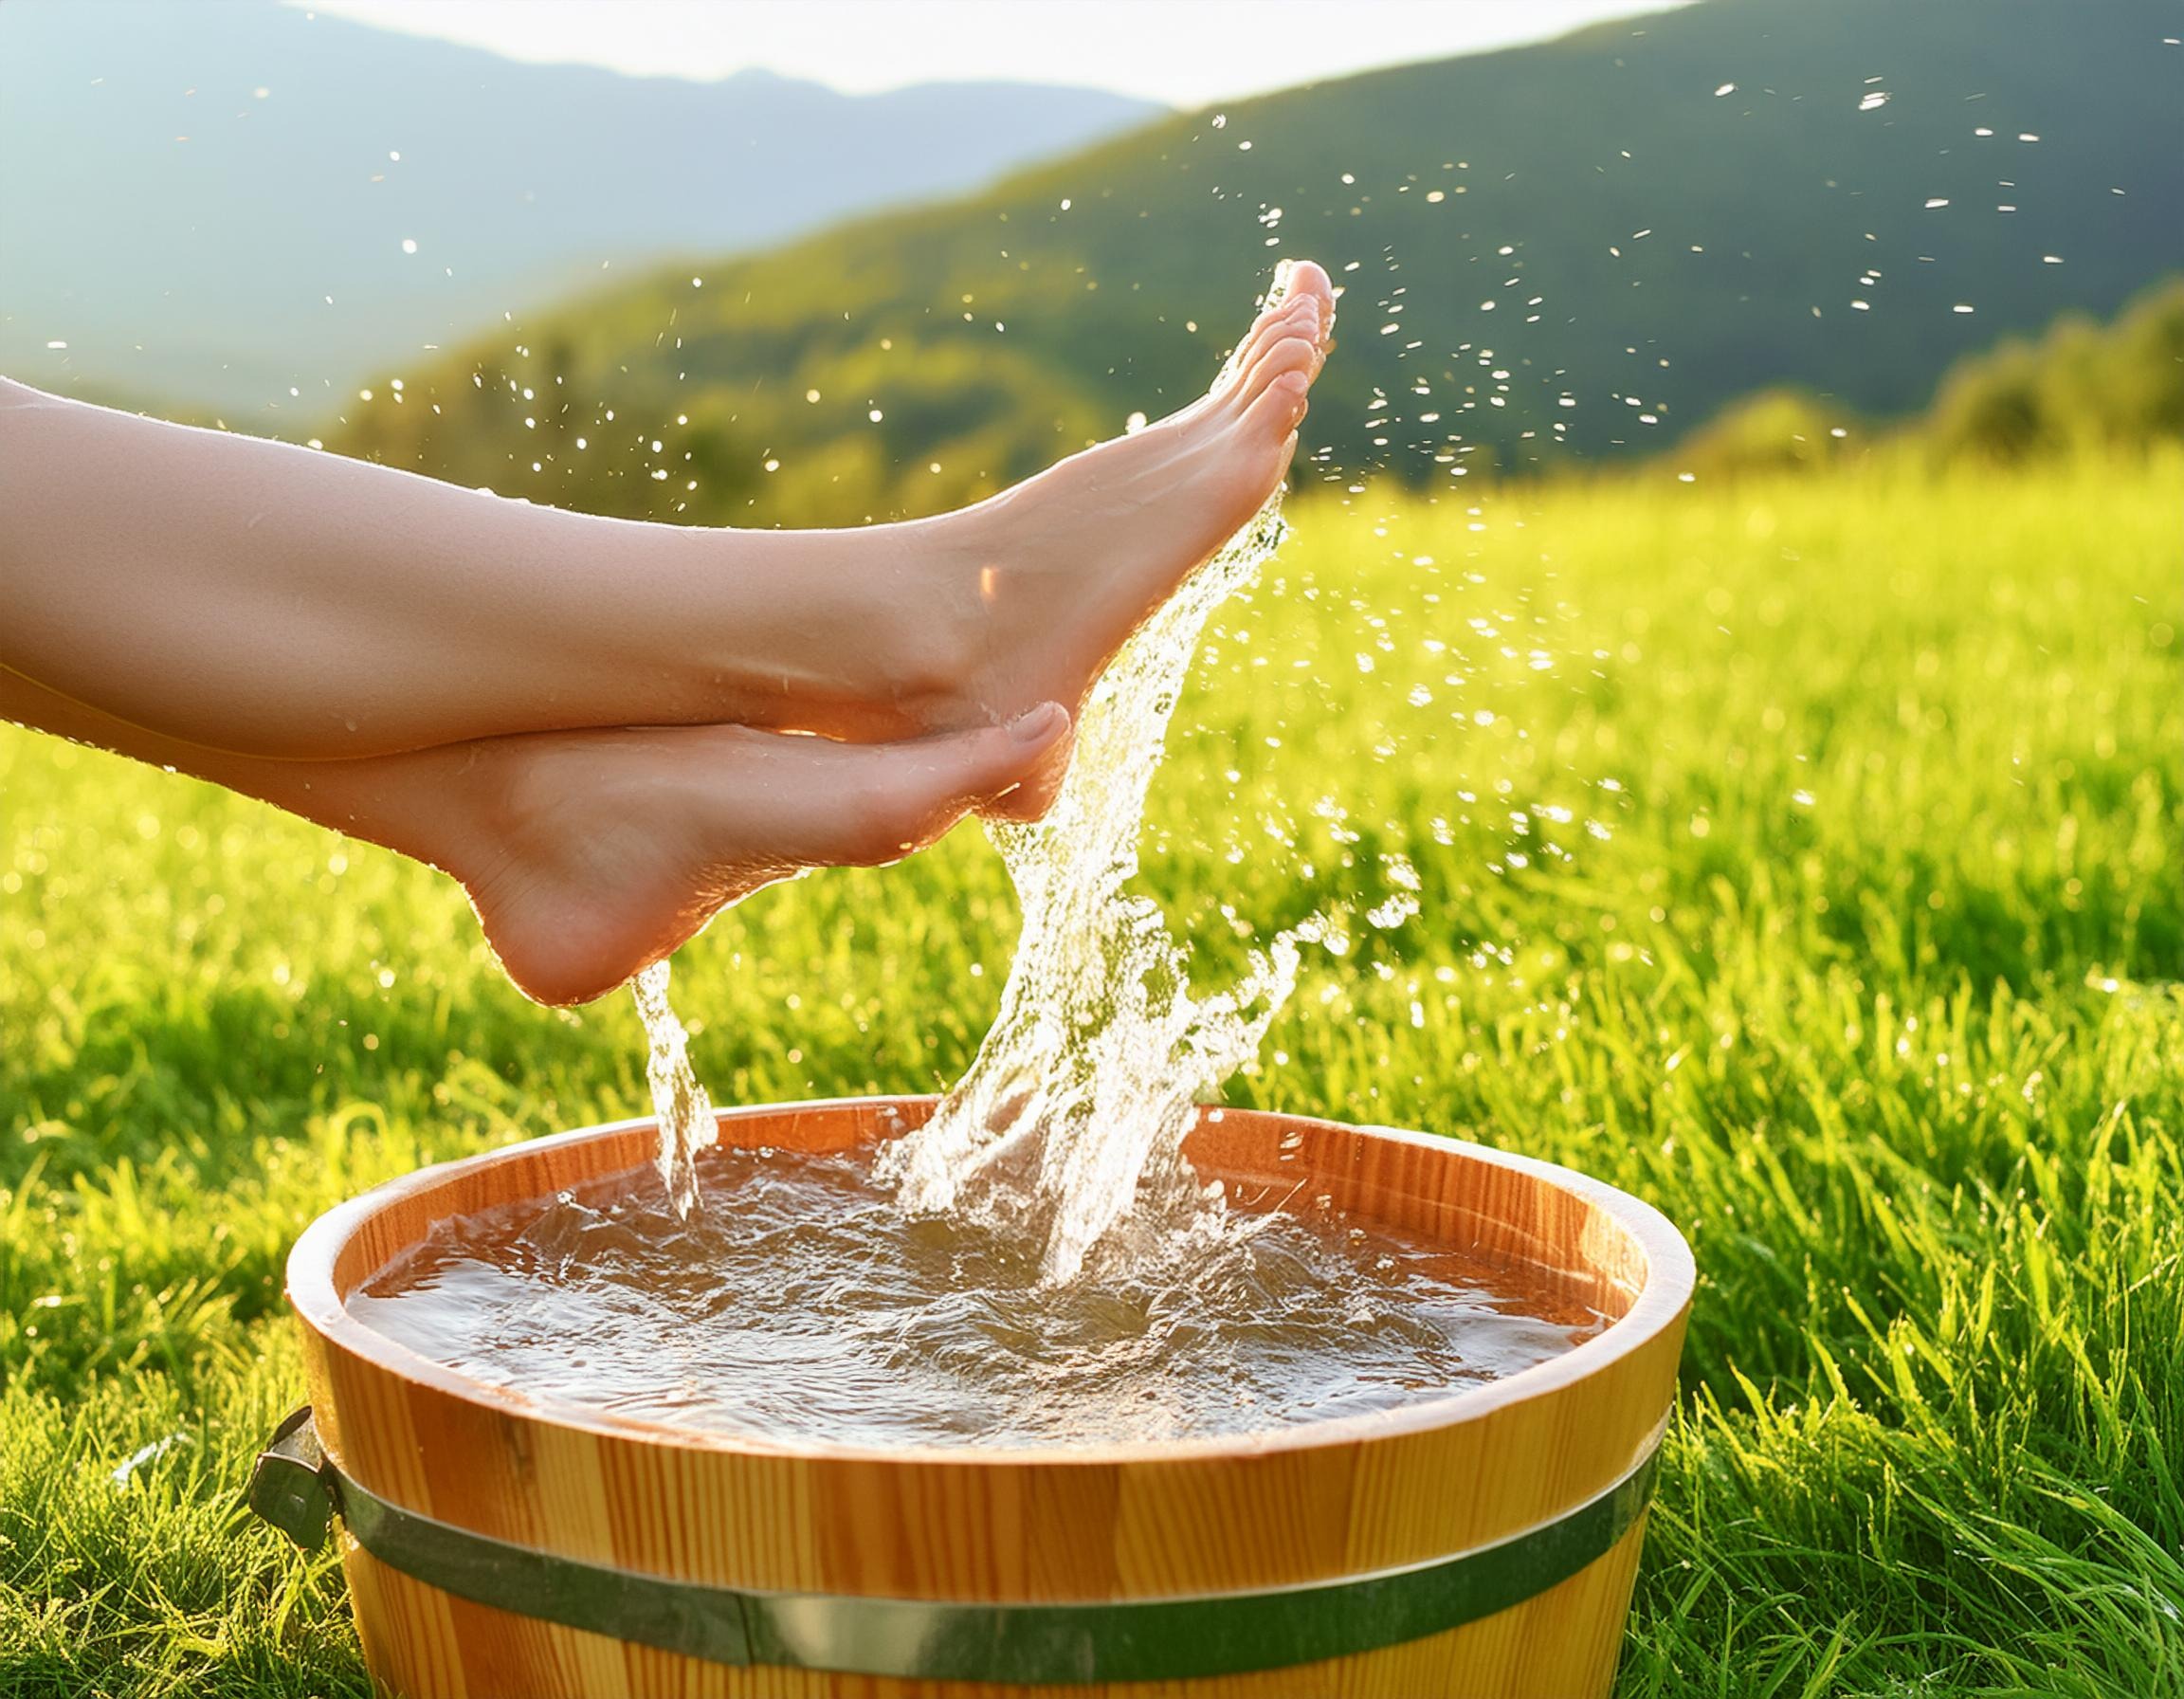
(295, 1486)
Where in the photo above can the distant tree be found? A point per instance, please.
(1992, 405)
(2146, 373)
(1773, 430)
(2081, 386)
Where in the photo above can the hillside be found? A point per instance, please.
(187, 185)
(2083, 388)
(1583, 247)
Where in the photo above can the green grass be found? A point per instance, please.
(1866, 984)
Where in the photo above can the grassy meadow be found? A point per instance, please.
(1800, 854)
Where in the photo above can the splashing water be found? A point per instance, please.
(678, 1102)
(1072, 1116)
(1074, 1111)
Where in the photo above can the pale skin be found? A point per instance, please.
(594, 725)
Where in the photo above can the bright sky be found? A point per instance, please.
(1184, 52)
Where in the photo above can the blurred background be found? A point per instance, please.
(849, 259)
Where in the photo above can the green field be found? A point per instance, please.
(1802, 855)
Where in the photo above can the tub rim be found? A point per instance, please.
(1671, 1275)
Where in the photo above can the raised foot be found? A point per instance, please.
(1035, 590)
(603, 851)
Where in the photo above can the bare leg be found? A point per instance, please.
(268, 600)
(591, 855)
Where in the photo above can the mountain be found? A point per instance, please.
(1579, 247)
(183, 186)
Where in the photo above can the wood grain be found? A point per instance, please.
(1310, 1503)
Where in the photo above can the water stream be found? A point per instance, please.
(684, 1112)
(1072, 1116)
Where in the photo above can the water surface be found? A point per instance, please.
(801, 1303)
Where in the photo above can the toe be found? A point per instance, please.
(1296, 316)
(1277, 410)
(1030, 798)
(916, 790)
(1288, 356)
(1309, 279)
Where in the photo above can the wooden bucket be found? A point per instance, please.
(1483, 1543)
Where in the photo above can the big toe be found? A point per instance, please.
(915, 792)
(1308, 280)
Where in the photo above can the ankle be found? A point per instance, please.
(931, 645)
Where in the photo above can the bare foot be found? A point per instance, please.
(1040, 585)
(592, 855)
(596, 853)
(968, 617)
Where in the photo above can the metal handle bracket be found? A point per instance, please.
(292, 1485)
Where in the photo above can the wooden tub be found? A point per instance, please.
(1484, 1543)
